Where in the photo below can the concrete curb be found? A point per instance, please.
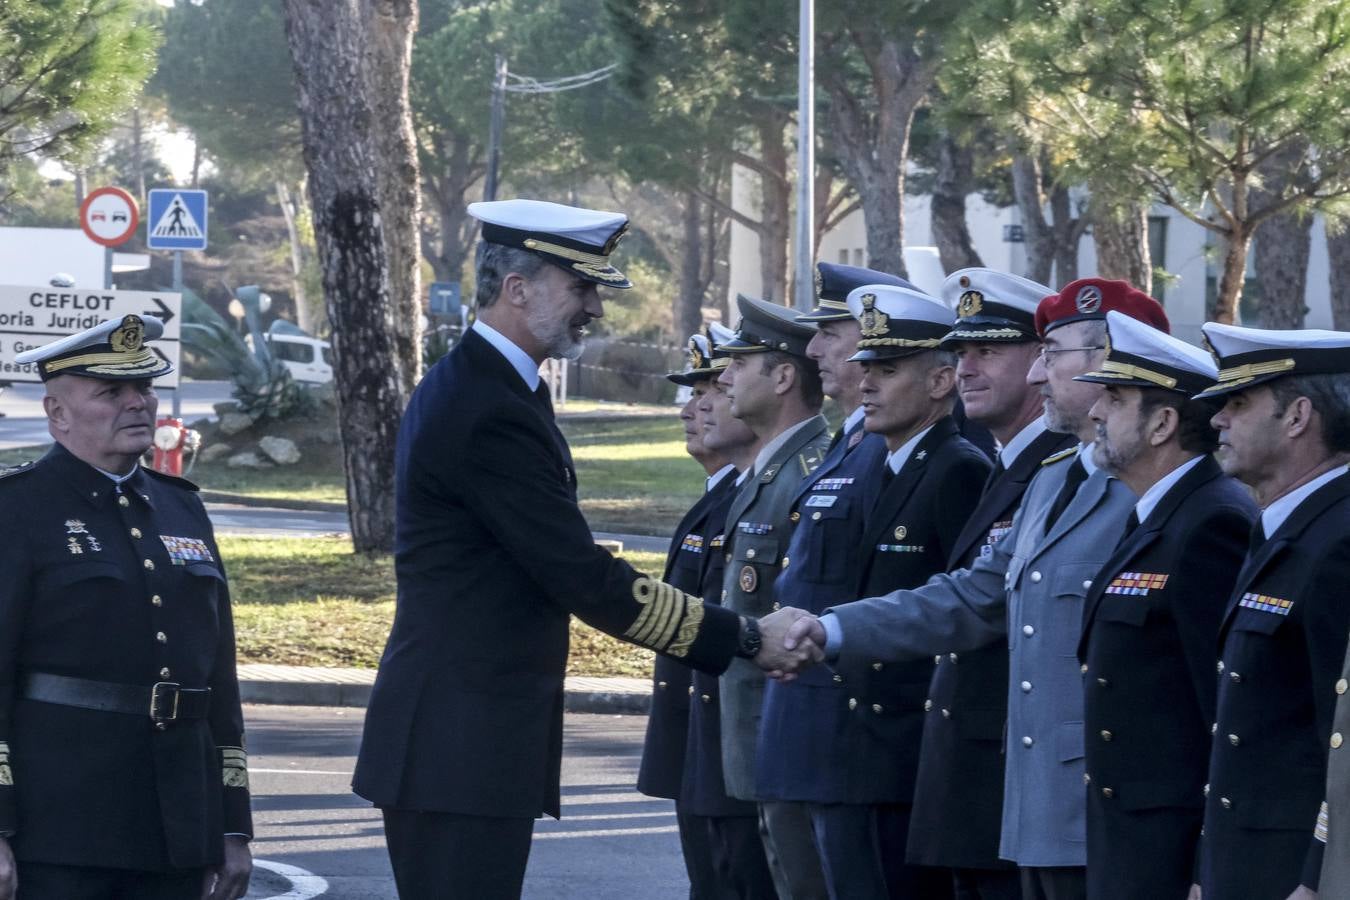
(271, 502)
(306, 686)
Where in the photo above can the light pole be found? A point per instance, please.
(804, 244)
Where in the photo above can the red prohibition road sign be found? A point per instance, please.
(109, 216)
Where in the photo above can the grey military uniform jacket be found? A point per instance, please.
(1334, 824)
(1040, 581)
(758, 529)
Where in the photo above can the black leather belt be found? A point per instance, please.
(166, 701)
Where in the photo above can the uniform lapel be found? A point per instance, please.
(1090, 494)
(898, 492)
(696, 514)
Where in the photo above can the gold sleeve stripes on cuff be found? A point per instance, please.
(1320, 832)
(6, 776)
(234, 767)
(669, 620)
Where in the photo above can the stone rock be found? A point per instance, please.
(248, 460)
(213, 452)
(234, 423)
(227, 406)
(280, 450)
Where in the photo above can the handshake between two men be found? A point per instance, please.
(791, 640)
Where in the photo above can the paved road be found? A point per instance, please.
(611, 844)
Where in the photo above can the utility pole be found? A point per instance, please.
(495, 124)
(804, 245)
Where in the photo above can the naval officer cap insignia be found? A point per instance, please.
(114, 350)
(1250, 356)
(833, 284)
(897, 321)
(767, 326)
(992, 306)
(1090, 299)
(1139, 355)
(705, 360)
(575, 239)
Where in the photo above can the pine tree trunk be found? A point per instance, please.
(689, 301)
(1068, 234)
(1233, 275)
(362, 187)
(446, 189)
(955, 172)
(1282, 245)
(775, 210)
(304, 315)
(1120, 232)
(1037, 234)
(1338, 251)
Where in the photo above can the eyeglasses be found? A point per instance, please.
(1046, 352)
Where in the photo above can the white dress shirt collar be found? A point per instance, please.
(854, 418)
(1085, 457)
(518, 358)
(1009, 452)
(897, 458)
(1153, 496)
(717, 477)
(1274, 515)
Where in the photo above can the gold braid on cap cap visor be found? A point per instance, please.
(985, 334)
(1244, 373)
(832, 304)
(111, 362)
(898, 342)
(1131, 371)
(592, 264)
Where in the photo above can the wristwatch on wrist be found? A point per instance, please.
(750, 640)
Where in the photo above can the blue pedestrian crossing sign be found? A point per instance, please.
(176, 220)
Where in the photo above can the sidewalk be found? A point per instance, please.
(311, 686)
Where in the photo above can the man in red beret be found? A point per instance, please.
(1034, 580)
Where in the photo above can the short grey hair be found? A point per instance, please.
(493, 262)
(1329, 395)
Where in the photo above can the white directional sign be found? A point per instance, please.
(33, 316)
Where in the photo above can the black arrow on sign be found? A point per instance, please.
(164, 314)
(160, 354)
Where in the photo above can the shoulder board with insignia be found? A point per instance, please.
(1061, 455)
(175, 480)
(769, 473)
(810, 459)
(18, 470)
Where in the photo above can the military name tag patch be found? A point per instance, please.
(825, 500)
(754, 527)
(692, 543)
(1266, 604)
(900, 548)
(1136, 584)
(748, 580)
(183, 550)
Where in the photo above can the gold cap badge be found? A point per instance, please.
(872, 321)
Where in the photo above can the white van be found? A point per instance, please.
(308, 358)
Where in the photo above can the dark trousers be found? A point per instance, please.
(738, 857)
(696, 846)
(1054, 883)
(790, 847)
(987, 884)
(41, 881)
(862, 851)
(443, 856)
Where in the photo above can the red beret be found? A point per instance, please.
(1091, 298)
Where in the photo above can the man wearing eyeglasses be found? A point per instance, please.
(1035, 580)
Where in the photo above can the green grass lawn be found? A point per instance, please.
(312, 602)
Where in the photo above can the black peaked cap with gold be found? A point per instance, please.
(833, 284)
(114, 350)
(992, 306)
(767, 326)
(705, 360)
(1139, 355)
(578, 240)
(1247, 357)
(897, 322)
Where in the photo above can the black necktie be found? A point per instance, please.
(1130, 524)
(887, 476)
(544, 396)
(1077, 475)
(994, 475)
(1257, 539)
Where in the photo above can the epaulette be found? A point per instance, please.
(770, 473)
(19, 469)
(1056, 457)
(810, 459)
(175, 480)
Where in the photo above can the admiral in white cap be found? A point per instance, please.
(705, 356)
(1152, 613)
(897, 321)
(1252, 356)
(992, 306)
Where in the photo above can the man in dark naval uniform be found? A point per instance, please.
(463, 738)
(661, 773)
(795, 758)
(122, 766)
(958, 794)
(733, 825)
(1285, 431)
(1151, 619)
